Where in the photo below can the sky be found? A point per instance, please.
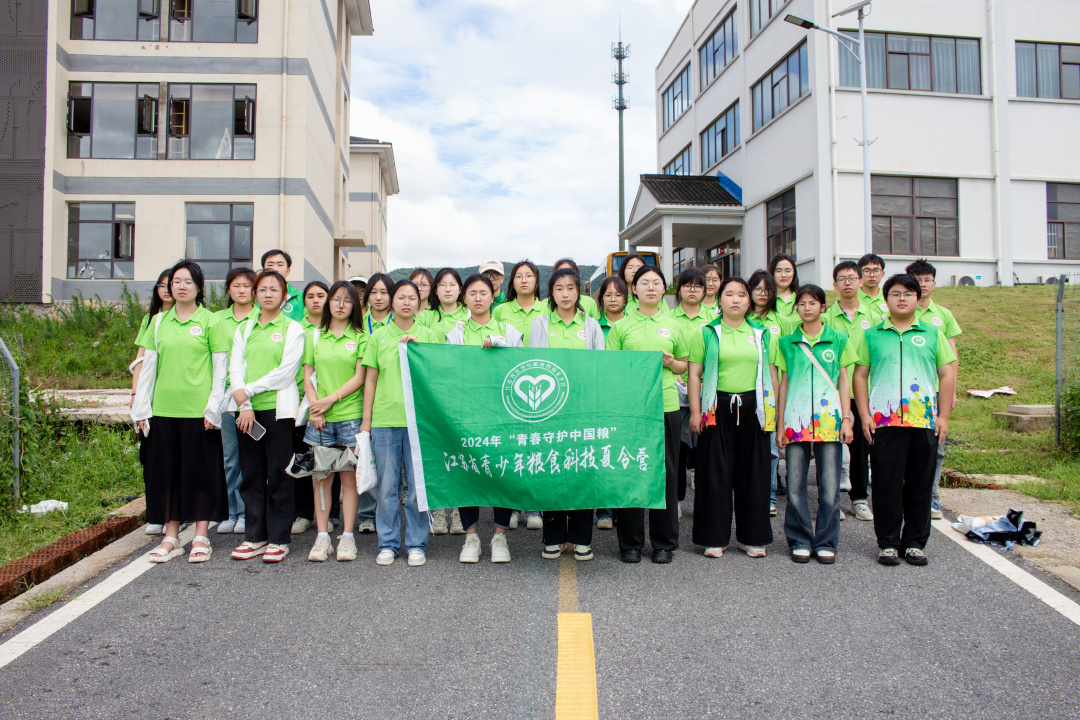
(500, 113)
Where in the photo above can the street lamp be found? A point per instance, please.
(848, 44)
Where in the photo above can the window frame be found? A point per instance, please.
(915, 218)
(681, 259)
(1061, 63)
(784, 239)
(184, 12)
(669, 104)
(710, 138)
(687, 159)
(180, 109)
(76, 137)
(87, 10)
(887, 70)
(727, 28)
(122, 231)
(233, 260)
(778, 86)
(1063, 225)
(773, 6)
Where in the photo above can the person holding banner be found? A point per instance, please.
(732, 408)
(631, 264)
(384, 418)
(588, 305)
(446, 311)
(813, 407)
(483, 330)
(568, 326)
(265, 358)
(652, 329)
(613, 296)
(333, 372)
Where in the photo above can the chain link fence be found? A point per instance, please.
(10, 416)
(1067, 363)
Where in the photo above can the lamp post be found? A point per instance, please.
(850, 45)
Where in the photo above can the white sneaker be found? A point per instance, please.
(582, 553)
(155, 529)
(455, 523)
(226, 526)
(604, 522)
(366, 528)
(470, 551)
(514, 520)
(842, 515)
(300, 525)
(385, 557)
(680, 510)
(534, 522)
(500, 552)
(862, 510)
(438, 522)
(321, 550)
(241, 527)
(754, 551)
(346, 548)
(714, 552)
(417, 557)
(330, 526)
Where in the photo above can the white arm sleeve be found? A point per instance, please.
(284, 374)
(212, 413)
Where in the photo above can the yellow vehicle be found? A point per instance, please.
(614, 264)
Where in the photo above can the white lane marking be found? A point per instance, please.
(1024, 579)
(39, 631)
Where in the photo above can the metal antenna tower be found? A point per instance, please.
(620, 52)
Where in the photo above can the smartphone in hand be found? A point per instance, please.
(257, 431)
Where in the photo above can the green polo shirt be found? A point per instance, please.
(265, 348)
(875, 305)
(606, 325)
(691, 326)
(145, 323)
(786, 308)
(738, 356)
(939, 317)
(520, 318)
(658, 332)
(713, 309)
(371, 324)
(903, 380)
(185, 372)
(475, 333)
(228, 319)
(562, 334)
(860, 322)
(588, 305)
(334, 358)
(811, 410)
(499, 300)
(441, 323)
(777, 323)
(382, 354)
(294, 306)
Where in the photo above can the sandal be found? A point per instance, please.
(161, 555)
(200, 554)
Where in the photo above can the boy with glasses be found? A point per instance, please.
(872, 269)
(905, 368)
(849, 316)
(943, 320)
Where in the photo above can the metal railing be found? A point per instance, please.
(14, 417)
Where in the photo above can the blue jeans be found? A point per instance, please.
(232, 466)
(797, 526)
(935, 498)
(774, 461)
(392, 453)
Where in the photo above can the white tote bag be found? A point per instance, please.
(366, 476)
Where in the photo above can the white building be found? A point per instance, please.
(974, 111)
(373, 178)
(208, 129)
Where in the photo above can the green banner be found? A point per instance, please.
(534, 429)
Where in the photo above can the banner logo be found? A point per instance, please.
(828, 355)
(535, 390)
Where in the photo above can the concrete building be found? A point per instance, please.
(208, 129)
(973, 108)
(372, 179)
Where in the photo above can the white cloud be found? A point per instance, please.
(500, 115)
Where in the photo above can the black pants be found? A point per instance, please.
(267, 490)
(663, 524)
(568, 526)
(471, 515)
(185, 478)
(687, 461)
(903, 460)
(859, 467)
(733, 460)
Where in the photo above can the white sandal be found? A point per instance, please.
(161, 555)
(200, 554)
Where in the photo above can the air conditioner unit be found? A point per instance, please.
(966, 281)
(1052, 280)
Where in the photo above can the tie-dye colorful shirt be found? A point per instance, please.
(903, 372)
(811, 409)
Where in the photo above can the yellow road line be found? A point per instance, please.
(575, 686)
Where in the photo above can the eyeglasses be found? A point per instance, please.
(341, 302)
(182, 283)
(847, 279)
(477, 294)
(163, 285)
(693, 287)
(651, 283)
(761, 291)
(903, 296)
(872, 271)
(808, 305)
(447, 285)
(614, 296)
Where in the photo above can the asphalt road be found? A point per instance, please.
(699, 638)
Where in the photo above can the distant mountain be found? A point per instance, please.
(545, 273)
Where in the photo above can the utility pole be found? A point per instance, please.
(620, 52)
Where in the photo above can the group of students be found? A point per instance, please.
(751, 369)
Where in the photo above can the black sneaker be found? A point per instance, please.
(888, 556)
(915, 556)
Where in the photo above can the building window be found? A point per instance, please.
(780, 224)
(914, 216)
(761, 11)
(719, 50)
(1048, 71)
(212, 122)
(720, 138)
(1063, 220)
(681, 165)
(101, 241)
(115, 20)
(223, 21)
(785, 84)
(219, 237)
(112, 120)
(676, 99)
(682, 258)
(916, 62)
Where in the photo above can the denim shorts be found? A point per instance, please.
(334, 434)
